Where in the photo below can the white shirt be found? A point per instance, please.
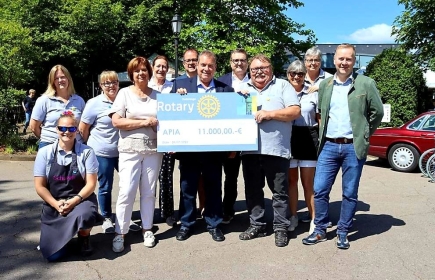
(236, 82)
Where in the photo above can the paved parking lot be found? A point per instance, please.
(392, 238)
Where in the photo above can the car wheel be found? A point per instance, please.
(403, 157)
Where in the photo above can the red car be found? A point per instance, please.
(403, 145)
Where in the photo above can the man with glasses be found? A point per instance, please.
(190, 62)
(238, 76)
(195, 164)
(277, 106)
(350, 111)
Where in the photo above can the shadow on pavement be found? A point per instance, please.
(19, 237)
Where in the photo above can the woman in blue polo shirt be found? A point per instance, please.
(65, 175)
(98, 132)
(59, 96)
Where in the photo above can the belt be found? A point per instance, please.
(340, 140)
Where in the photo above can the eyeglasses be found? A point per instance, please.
(235, 61)
(299, 74)
(314, 61)
(190, 60)
(109, 84)
(262, 68)
(65, 128)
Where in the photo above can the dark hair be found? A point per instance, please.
(134, 64)
(191, 50)
(239, 51)
(160, 57)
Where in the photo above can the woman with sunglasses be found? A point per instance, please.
(134, 113)
(59, 96)
(313, 61)
(65, 176)
(98, 132)
(159, 83)
(304, 142)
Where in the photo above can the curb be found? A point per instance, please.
(17, 157)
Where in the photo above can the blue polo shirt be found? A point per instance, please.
(201, 89)
(339, 118)
(86, 159)
(48, 109)
(103, 137)
(274, 135)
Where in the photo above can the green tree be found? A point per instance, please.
(16, 53)
(415, 30)
(401, 84)
(88, 36)
(258, 26)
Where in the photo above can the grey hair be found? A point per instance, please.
(314, 51)
(297, 66)
(209, 54)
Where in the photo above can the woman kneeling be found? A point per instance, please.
(65, 177)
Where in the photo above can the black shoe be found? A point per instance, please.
(183, 234)
(251, 233)
(281, 238)
(227, 219)
(85, 245)
(216, 234)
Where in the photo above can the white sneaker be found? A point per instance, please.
(148, 239)
(170, 221)
(312, 227)
(108, 226)
(134, 227)
(118, 244)
(293, 223)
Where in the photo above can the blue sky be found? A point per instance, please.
(351, 21)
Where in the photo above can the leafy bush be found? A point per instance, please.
(17, 143)
(9, 102)
(401, 84)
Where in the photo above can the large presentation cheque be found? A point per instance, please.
(199, 122)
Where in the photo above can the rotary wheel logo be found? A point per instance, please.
(208, 106)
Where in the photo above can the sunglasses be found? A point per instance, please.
(65, 128)
(299, 74)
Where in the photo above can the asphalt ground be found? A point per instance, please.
(392, 238)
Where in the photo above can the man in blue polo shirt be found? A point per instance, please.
(277, 107)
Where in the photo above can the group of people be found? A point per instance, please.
(309, 127)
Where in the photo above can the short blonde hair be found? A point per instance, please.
(51, 89)
(32, 91)
(345, 46)
(108, 75)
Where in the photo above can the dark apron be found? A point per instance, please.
(64, 182)
(304, 142)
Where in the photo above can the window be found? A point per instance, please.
(415, 125)
(429, 124)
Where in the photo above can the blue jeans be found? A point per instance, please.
(58, 255)
(28, 114)
(43, 144)
(331, 158)
(106, 170)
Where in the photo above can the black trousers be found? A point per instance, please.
(231, 169)
(256, 170)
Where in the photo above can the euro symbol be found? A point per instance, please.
(239, 131)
